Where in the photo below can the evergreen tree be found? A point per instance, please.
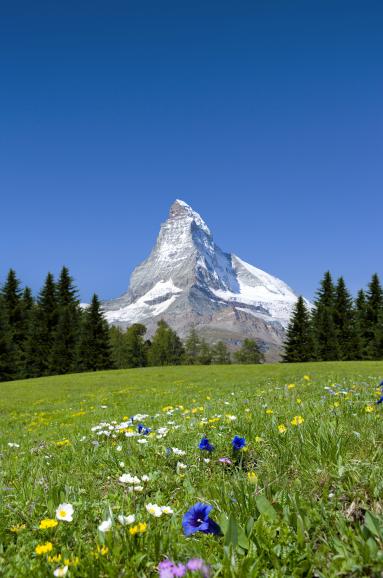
(373, 319)
(136, 348)
(42, 330)
(324, 329)
(64, 356)
(13, 308)
(166, 347)
(204, 353)
(27, 306)
(298, 345)
(192, 347)
(345, 323)
(220, 354)
(7, 347)
(249, 352)
(360, 324)
(95, 349)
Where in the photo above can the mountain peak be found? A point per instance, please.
(181, 210)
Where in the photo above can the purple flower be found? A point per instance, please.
(198, 565)
(226, 461)
(168, 569)
(238, 443)
(204, 444)
(197, 520)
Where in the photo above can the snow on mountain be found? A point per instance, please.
(188, 280)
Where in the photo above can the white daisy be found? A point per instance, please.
(65, 512)
(126, 520)
(105, 526)
(154, 510)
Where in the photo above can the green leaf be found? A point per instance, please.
(265, 507)
(372, 524)
(231, 534)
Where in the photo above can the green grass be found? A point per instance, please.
(313, 509)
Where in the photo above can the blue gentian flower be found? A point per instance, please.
(204, 444)
(380, 400)
(238, 443)
(144, 430)
(197, 520)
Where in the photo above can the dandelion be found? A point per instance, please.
(105, 526)
(197, 520)
(238, 443)
(205, 445)
(60, 571)
(297, 420)
(154, 510)
(126, 520)
(269, 412)
(65, 512)
(369, 409)
(138, 529)
(306, 377)
(47, 523)
(282, 428)
(291, 386)
(44, 548)
(63, 443)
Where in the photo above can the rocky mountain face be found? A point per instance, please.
(187, 280)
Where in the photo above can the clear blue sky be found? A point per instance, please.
(266, 116)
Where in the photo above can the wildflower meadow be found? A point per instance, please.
(232, 471)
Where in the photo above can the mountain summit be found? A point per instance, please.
(187, 280)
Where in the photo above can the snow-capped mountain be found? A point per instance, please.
(188, 280)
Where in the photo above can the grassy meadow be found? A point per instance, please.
(303, 497)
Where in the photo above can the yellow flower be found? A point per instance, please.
(167, 408)
(306, 377)
(54, 559)
(269, 411)
(369, 409)
(138, 529)
(44, 548)
(78, 413)
(17, 528)
(252, 477)
(72, 561)
(291, 386)
(47, 523)
(258, 439)
(297, 420)
(103, 550)
(336, 404)
(282, 428)
(62, 443)
(299, 401)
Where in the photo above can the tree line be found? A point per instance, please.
(52, 334)
(337, 327)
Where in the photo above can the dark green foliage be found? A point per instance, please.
(136, 347)
(220, 353)
(13, 308)
(249, 352)
(7, 348)
(95, 348)
(64, 355)
(166, 347)
(204, 354)
(41, 331)
(298, 344)
(324, 328)
(192, 347)
(373, 334)
(345, 323)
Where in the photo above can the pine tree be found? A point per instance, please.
(373, 319)
(192, 347)
(166, 347)
(42, 330)
(345, 323)
(64, 356)
(7, 347)
(324, 328)
(298, 345)
(27, 306)
(220, 354)
(13, 307)
(136, 348)
(95, 349)
(249, 352)
(204, 353)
